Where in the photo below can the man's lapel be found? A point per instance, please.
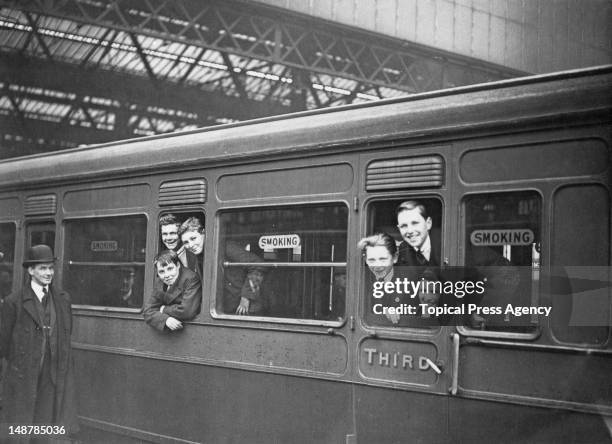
(29, 304)
(174, 290)
(434, 258)
(407, 255)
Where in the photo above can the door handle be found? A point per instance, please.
(436, 367)
(455, 364)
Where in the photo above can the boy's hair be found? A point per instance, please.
(166, 257)
(379, 239)
(191, 224)
(169, 219)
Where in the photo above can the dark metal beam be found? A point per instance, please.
(74, 68)
(39, 39)
(143, 57)
(236, 78)
(282, 37)
(192, 66)
(124, 88)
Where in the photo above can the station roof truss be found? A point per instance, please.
(76, 72)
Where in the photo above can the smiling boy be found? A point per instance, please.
(176, 295)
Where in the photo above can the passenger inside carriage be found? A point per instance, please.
(122, 289)
(176, 296)
(242, 293)
(393, 301)
(169, 226)
(420, 248)
(415, 227)
(419, 253)
(192, 236)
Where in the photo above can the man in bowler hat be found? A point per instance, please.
(35, 327)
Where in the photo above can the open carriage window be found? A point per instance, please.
(402, 247)
(104, 261)
(184, 232)
(284, 262)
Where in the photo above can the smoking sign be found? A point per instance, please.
(105, 245)
(502, 237)
(271, 242)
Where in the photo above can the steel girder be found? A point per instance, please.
(109, 69)
(281, 37)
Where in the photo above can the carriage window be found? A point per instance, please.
(7, 258)
(580, 264)
(286, 262)
(502, 250)
(416, 228)
(104, 261)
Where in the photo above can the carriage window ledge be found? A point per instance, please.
(284, 264)
(107, 264)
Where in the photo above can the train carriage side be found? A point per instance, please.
(517, 171)
(525, 202)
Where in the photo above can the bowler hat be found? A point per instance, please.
(39, 254)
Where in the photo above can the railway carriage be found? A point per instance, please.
(521, 167)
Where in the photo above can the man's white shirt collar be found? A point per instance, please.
(38, 289)
(426, 248)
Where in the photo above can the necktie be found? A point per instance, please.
(420, 257)
(45, 297)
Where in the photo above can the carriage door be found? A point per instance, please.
(402, 350)
(536, 346)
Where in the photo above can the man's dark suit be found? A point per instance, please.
(181, 300)
(408, 263)
(408, 255)
(396, 299)
(24, 345)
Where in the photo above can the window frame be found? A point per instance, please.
(217, 286)
(159, 245)
(103, 308)
(462, 241)
(367, 227)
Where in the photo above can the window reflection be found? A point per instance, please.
(503, 245)
(288, 262)
(104, 261)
